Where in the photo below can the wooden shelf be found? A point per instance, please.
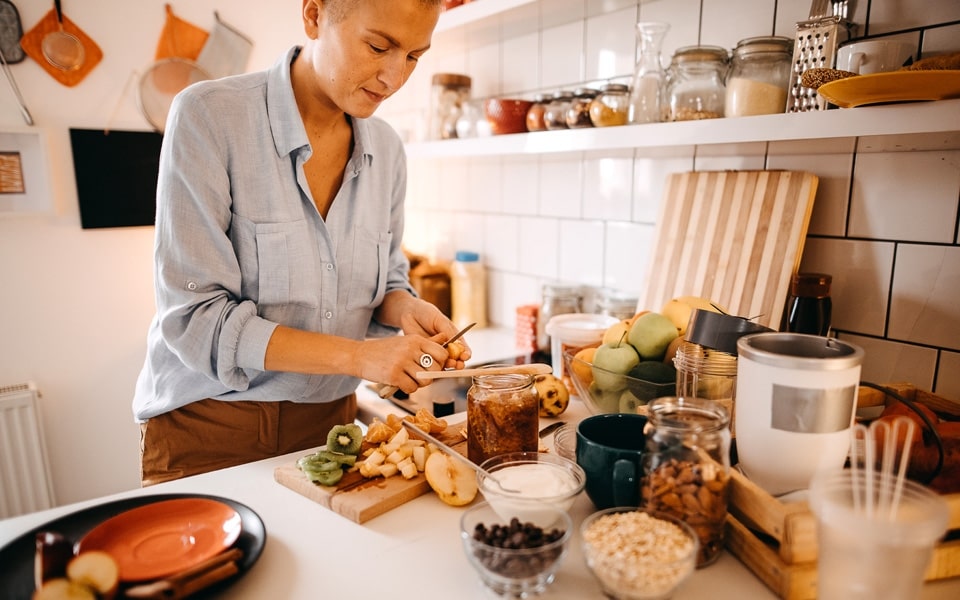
(476, 11)
(929, 125)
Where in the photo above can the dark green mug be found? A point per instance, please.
(610, 449)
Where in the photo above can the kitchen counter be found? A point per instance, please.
(410, 552)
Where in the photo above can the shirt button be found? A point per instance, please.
(192, 285)
(329, 266)
(328, 314)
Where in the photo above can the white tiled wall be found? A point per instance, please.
(885, 224)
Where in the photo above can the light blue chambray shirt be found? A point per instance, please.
(240, 246)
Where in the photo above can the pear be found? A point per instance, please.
(651, 335)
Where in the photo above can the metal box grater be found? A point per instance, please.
(815, 47)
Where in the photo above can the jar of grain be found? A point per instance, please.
(555, 115)
(695, 88)
(578, 114)
(503, 415)
(759, 76)
(611, 106)
(536, 112)
(687, 467)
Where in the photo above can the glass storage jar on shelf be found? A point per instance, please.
(611, 105)
(759, 76)
(555, 115)
(556, 300)
(647, 92)
(449, 92)
(536, 112)
(503, 415)
(578, 114)
(686, 467)
(695, 88)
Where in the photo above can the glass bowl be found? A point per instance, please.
(515, 572)
(638, 555)
(544, 482)
(605, 391)
(565, 441)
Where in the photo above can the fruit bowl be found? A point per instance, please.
(605, 391)
(515, 572)
(506, 115)
(545, 481)
(637, 554)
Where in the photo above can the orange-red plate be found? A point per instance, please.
(164, 538)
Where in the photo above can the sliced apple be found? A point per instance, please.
(454, 482)
(62, 588)
(96, 570)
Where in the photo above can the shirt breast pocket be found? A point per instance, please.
(287, 273)
(369, 267)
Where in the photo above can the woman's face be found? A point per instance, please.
(362, 57)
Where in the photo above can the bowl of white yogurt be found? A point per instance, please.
(543, 483)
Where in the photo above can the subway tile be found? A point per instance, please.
(539, 247)
(627, 251)
(561, 52)
(649, 180)
(561, 185)
(611, 44)
(520, 21)
(908, 14)
(521, 64)
(926, 285)
(607, 186)
(750, 156)
(581, 252)
(483, 185)
(683, 16)
(948, 376)
(506, 292)
(451, 174)
(561, 12)
(602, 7)
(483, 66)
(909, 196)
(466, 233)
(940, 40)
(833, 186)
(861, 274)
(520, 185)
(726, 22)
(886, 361)
(501, 242)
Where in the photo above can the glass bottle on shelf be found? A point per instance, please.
(649, 77)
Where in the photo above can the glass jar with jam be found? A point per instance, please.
(759, 76)
(687, 467)
(611, 106)
(578, 114)
(555, 115)
(536, 112)
(503, 415)
(695, 88)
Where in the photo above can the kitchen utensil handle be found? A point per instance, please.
(59, 9)
(528, 369)
(8, 74)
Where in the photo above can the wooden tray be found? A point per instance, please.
(359, 498)
(777, 541)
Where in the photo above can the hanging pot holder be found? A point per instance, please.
(11, 30)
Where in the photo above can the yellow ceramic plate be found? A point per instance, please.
(896, 86)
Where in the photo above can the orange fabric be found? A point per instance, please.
(180, 39)
(32, 44)
(212, 434)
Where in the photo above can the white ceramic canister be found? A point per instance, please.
(796, 399)
(573, 331)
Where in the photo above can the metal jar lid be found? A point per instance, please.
(767, 44)
(800, 351)
(451, 80)
(719, 331)
(708, 54)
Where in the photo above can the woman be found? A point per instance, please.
(280, 278)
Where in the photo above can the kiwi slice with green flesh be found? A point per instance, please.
(325, 477)
(345, 439)
(344, 460)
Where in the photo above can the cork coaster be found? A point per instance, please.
(32, 40)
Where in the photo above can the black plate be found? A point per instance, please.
(16, 558)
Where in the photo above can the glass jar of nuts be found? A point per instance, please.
(695, 88)
(687, 467)
(503, 415)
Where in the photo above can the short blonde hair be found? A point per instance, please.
(337, 9)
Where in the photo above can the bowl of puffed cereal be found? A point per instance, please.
(638, 555)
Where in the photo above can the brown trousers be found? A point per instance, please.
(211, 434)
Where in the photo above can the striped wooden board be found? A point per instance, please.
(734, 237)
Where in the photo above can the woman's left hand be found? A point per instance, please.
(426, 319)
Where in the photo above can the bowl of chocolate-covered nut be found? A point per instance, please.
(515, 558)
(638, 555)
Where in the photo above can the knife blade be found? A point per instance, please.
(458, 335)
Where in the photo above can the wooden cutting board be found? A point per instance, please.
(360, 499)
(735, 237)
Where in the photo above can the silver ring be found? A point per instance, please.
(426, 361)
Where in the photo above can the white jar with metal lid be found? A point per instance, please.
(759, 76)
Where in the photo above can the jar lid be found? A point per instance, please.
(774, 43)
(689, 54)
(811, 285)
(451, 79)
(615, 87)
(466, 256)
(585, 92)
(550, 289)
(580, 328)
(563, 95)
(542, 97)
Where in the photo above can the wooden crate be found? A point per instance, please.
(777, 540)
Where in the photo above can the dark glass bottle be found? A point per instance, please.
(808, 306)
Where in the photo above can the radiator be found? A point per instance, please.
(25, 481)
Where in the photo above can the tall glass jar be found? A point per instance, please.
(687, 467)
(555, 115)
(449, 92)
(556, 300)
(578, 115)
(706, 373)
(695, 85)
(611, 106)
(649, 77)
(759, 76)
(503, 415)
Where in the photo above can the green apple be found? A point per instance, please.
(611, 362)
(651, 334)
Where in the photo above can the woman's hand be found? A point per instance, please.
(396, 360)
(426, 319)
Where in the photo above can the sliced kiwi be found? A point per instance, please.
(331, 477)
(345, 439)
(344, 460)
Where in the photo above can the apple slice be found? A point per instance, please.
(454, 482)
(62, 588)
(96, 570)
